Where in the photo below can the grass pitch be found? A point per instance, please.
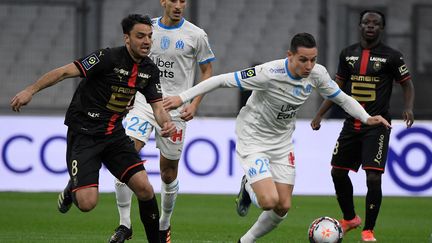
(33, 217)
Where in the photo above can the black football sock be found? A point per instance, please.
(344, 194)
(373, 199)
(149, 214)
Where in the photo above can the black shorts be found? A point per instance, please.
(367, 148)
(85, 155)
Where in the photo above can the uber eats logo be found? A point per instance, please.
(165, 67)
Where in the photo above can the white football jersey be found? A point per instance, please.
(267, 121)
(176, 50)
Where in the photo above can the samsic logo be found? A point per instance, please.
(365, 78)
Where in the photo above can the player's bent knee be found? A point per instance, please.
(268, 202)
(86, 204)
(284, 207)
(143, 191)
(86, 207)
(168, 176)
(86, 199)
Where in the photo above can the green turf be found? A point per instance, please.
(33, 217)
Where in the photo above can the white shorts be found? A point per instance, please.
(140, 126)
(263, 165)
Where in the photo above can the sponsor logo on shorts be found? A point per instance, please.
(378, 156)
(93, 114)
(252, 172)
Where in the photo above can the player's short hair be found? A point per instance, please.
(132, 19)
(362, 14)
(302, 40)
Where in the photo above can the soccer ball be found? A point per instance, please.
(325, 230)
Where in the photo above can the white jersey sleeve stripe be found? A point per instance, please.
(207, 61)
(238, 81)
(334, 94)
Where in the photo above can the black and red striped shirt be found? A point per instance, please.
(368, 76)
(110, 80)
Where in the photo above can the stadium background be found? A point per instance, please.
(38, 35)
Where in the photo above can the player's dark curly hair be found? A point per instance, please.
(375, 12)
(302, 40)
(133, 19)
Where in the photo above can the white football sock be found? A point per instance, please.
(124, 198)
(266, 222)
(168, 198)
(252, 194)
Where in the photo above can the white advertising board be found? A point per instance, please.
(33, 158)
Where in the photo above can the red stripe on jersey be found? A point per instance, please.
(373, 168)
(343, 168)
(357, 122)
(364, 61)
(83, 187)
(111, 124)
(130, 167)
(154, 101)
(405, 79)
(82, 69)
(132, 78)
(338, 77)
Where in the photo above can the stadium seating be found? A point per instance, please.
(35, 41)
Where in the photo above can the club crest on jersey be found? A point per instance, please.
(297, 90)
(165, 42)
(90, 61)
(377, 66)
(179, 45)
(248, 73)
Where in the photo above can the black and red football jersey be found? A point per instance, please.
(110, 80)
(368, 76)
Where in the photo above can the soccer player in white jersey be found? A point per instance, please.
(178, 48)
(265, 125)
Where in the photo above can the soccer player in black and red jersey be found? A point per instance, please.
(111, 77)
(366, 71)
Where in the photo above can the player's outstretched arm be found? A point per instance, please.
(352, 107)
(48, 79)
(222, 80)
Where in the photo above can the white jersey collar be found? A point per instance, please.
(159, 22)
